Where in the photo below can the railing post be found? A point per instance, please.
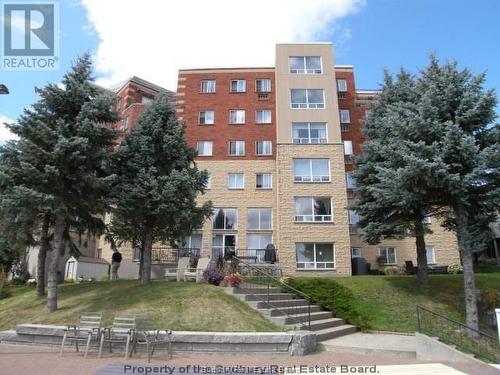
(268, 293)
(418, 319)
(309, 313)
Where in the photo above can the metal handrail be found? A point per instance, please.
(481, 344)
(276, 281)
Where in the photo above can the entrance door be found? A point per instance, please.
(223, 244)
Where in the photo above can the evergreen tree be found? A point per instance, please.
(432, 149)
(61, 157)
(157, 184)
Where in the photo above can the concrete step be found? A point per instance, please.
(299, 318)
(256, 290)
(272, 297)
(281, 303)
(333, 332)
(317, 325)
(294, 310)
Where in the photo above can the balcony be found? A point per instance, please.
(353, 229)
(344, 127)
(342, 94)
(348, 159)
(262, 96)
(257, 256)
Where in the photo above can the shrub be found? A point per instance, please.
(455, 269)
(233, 279)
(104, 277)
(69, 280)
(5, 286)
(392, 271)
(213, 276)
(334, 297)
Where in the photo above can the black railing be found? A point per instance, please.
(166, 254)
(267, 288)
(465, 338)
(256, 256)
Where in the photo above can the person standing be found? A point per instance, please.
(116, 259)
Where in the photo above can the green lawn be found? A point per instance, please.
(389, 302)
(177, 306)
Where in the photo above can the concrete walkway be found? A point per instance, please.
(403, 346)
(28, 360)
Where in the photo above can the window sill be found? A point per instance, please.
(312, 182)
(236, 123)
(263, 123)
(314, 222)
(238, 156)
(263, 155)
(263, 188)
(237, 92)
(315, 269)
(206, 124)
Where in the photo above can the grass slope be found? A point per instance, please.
(390, 302)
(176, 306)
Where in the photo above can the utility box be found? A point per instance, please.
(86, 268)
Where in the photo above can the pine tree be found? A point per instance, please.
(157, 184)
(62, 156)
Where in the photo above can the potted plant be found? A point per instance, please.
(213, 276)
(234, 279)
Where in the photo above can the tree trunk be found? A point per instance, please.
(497, 256)
(464, 246)
(59, 229)
(42, 256)
(146, 257)
(422, 275)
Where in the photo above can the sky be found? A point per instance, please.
(152, 39)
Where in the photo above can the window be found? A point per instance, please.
(315, 256)
(259, 241)
(351, 181)
(309, 132)
(204, 148)
(264, 181)
(259, 219)
(353, 217)
(304, 65)
(389, 253)
(235, 181)
(307, 98)
(208, 183)
(341, 85)
(263, 85)
(237, 148)
(348, 148)
(264, 147)
(225, 218)
(136, 256)
(263, 116)
(427, 220)
(206, 118)
(313, 209)
(207, 86)
(431, 255)
(311, 170)
(238, 85)
(237, 116)
(192, 242)
(356, 252)
(345, 116)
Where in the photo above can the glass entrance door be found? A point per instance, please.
(222, 244)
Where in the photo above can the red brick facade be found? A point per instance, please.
(190, 102)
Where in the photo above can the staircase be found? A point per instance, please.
(288, 310)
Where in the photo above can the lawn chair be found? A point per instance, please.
(122, 331)
(178, 272)
(147, 334)
(197, 273)
(89, 329)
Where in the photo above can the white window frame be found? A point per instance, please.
(313, 218)
(311, 177)
(307, 105)
(341, 85)
(235, 113)
(259, 209)
(189, 242)
(211, 143)
(270, 180)
(315, 262)
(433, 254)
(265, 145)
(427, 219)
(239, 82)
(204, 85)
(359, 255)
(225, 218)
(345, 116)
(270, 117)
(353, 214)
(237, 175)
(262, 79)
(205, 118)
(349, 177)
(239, 145)
(350, 148)
(384, 251)
(305, 70)
(311, 141)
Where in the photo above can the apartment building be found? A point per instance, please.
(279, 144)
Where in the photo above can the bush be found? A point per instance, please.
(69, 280)
(392, 271)
(104, 277)
(233, 279)
(5, 286)
(213, 276)
(455, 269)
(334, 297)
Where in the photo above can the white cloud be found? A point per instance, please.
(153, 39)
(5, 134)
